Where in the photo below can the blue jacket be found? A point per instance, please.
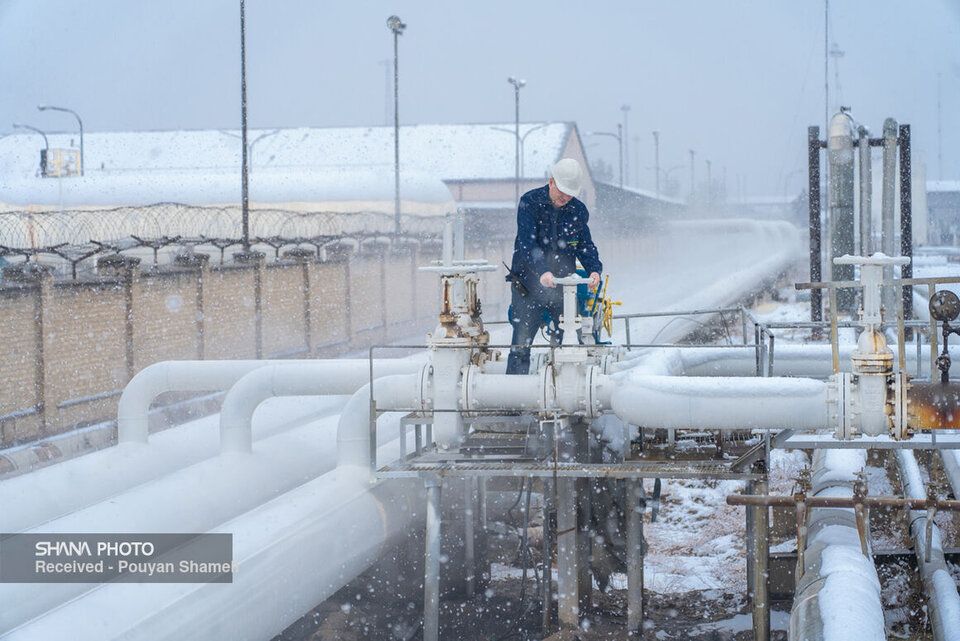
(551, 240)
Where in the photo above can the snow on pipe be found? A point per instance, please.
(943, 602)
(40, 496)
(51, 492)
(178, 376)
(330, 377)
(789, 360)
(721, 403)
(219, 489)
(317, 537)
(838, 593)
(398, 392)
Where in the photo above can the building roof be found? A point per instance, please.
(943, 185)
(287, 165)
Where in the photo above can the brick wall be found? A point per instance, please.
(67, 349)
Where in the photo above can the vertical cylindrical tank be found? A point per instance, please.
(841, 189)
(866, 187)
(888, 233)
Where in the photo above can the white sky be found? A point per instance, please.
(738, 80)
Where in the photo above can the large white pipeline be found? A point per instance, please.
(722, 403)
(838, 596)
(60, 489)
(943, 602)
(292, 553)
(219, 489)
(400, 392)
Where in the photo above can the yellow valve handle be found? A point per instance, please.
(608, 314)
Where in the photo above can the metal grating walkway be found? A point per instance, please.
(435, 466)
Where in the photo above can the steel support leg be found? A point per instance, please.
(469, 560)
(568, 592)
(546, 553)
(636, 549)
(431, 571)
(761, 573)
(749, 541)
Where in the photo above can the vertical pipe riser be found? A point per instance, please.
(813, 164)
(840, 156)
(431, 579)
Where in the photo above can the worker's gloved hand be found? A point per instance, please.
(546, 279)
(594, 280)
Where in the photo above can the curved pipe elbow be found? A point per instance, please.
(722, 403)
(169, 376)
(398, 392)
(317, 378)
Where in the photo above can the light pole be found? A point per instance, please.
(245, 183)
(517, 84)
(656, 159)
(523, 138)
(43, 152)
(79, 122)
(619, 137)
(666, 175)
(253, 143)
(396, 26)
(692, 154)
(626, 139)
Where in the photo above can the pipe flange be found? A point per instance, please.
(548, 392)
(467, 396)
(425, 387)
(593, 401)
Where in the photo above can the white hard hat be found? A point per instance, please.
(568, 176)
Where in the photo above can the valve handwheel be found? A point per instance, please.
(944, 305)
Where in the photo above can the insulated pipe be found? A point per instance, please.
(789, 360)
(219, 489)
(943, 602)
(838, 592)
(398, 392)
(317, 537)
(672, 402)
(177, 376)
(51, 492)
(501, 391)
(320, 378)
(951, 466)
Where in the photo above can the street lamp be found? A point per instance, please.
(516, 95)
(396, 26)
(79, 122)
(666, 174)
(252, 144)
(43, 152)
(619, 137)
(626, 140)
(523, 138)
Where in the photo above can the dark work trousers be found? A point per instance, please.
(526, 317)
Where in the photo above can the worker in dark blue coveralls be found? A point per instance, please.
(552, 234)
